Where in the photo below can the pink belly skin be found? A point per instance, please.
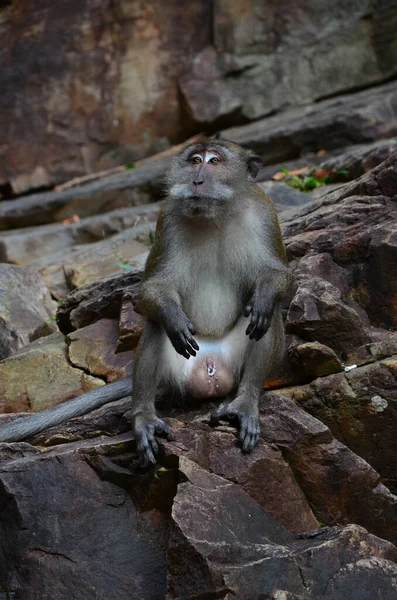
(210, 377)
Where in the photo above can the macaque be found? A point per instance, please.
(212, 289)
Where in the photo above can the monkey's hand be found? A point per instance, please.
(245, 417)
(261, 308)
(180, 332)
(145, 428)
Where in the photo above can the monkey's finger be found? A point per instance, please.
(193, 343)
(180, 346)
(192, 328)
(146, 456)
(223, 414)
(162, 428)
(152, 443)
(247, 310)
(252, 326)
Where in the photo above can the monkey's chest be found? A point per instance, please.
(212, 305)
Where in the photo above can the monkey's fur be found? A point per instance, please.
(212, 288)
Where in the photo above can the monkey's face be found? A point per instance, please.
(208, 178)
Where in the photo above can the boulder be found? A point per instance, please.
(40, 375)
(357, 118)
(93, 349)
(26, 308)
(29, 244)
(196, 525)
(86, 263)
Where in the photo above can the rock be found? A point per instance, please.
(284, 196)
(97, 526)
(337, 52)
(131, 325)
(263, 475)
(76, 93)
(25, 306)
(98, 300)
(205, 91)
(318, 313)
(315, 359)
(86, 263)
(93, 349)
(339, 485)
(221, 552)
(128, 188)
(40, 376)
(359, 243)
(359, 407)
(357, 118)
(24, 246)
(354, 160)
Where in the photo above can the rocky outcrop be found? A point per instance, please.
(206, 521)
(26, 308)
(130, 78)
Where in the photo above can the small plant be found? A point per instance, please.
(306, 181)
(129, 166)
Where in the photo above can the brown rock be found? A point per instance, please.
(263, 475)
(317, 313)
(98, 300)
(76, 93)
(131, 325)
(359, 408)
(97, 526)
(86, 263)
(314, 359)
(25, 306)
(211, 552)
(206, 93)
(40, 376)
(26, 245)
(93, 349)
(340, 486)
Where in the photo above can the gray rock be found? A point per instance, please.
(284, 196)
(25, 306)
(350, 119)
(23, 246)
(128, 188)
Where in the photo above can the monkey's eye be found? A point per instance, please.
(214, 160)
(196, 159)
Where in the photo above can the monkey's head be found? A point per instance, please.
(210, 178)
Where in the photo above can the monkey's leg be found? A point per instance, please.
(244, 409)
(146, 377)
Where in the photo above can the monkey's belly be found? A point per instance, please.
(213, 372)
(210, 376)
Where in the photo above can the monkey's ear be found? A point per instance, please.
(254, 163)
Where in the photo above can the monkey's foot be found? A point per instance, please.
(246, 419)
(145, 431)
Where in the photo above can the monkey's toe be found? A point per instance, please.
(145, 439)
(246, 423)
(249, 433)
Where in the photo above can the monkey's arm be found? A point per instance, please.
(159, 299)
(28, 426)
(274, 283)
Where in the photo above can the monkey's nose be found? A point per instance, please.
(198, 181)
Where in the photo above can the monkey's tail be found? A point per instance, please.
(27, 426)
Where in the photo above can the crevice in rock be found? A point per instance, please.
(49, 553)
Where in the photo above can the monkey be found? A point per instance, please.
(211, 293)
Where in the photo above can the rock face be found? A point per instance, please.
(25, 308)
(40, 375)
(129, 77)
(196, 526)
